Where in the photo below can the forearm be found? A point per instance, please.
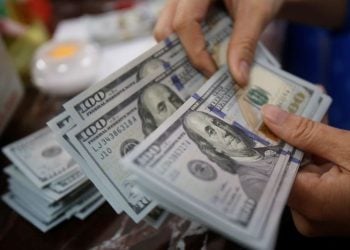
(327, 13)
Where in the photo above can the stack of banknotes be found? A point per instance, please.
(157, 136)
(45, 184)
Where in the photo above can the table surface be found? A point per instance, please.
(105, 229)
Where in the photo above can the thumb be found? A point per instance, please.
(248, 26)
(322, 140)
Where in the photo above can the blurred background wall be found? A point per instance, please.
(315, 54)
(322, 57)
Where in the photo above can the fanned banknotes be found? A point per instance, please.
(193, 146)
(164, 71)
(210, 162)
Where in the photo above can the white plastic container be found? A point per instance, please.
(65, 67)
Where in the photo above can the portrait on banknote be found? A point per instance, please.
(155, 104)
(149, 67)
(51, 152)
(127, 146)
(232, 150)
(202, 170)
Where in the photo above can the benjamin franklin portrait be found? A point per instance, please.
(149, 67)
(232, 150)
(155, 104)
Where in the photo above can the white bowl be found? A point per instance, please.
(65, 67)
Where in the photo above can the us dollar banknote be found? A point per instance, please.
(45, 218)
(173, 79)
(61, 125)
(188, 75)
(208, 158)
(56, 190)
(272, 219)
(152, 102)
(130, 120)
(22, 209)
(107, 121)
(40, 157)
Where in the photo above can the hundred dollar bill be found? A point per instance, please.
(272, 220)
(152, 101)
(34, 203)
(104, 140)
(61, 125)
(103, 150)
(42, 218)
(53, 192)
(40, 158)
(21, 209)
(179, 77)
(46, 211)
(208, 158)
(244, 104)
(316, 114)
(271, 224)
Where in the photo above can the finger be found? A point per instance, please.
(229, 7)
(305, 181)
(317, 169)
(303, 196)
(321, 87)
(307, 227)
(330, 143)
(318, 159)
(164, 25)
(311, 194)
(187, 24)
(313, 228)
(250, 20)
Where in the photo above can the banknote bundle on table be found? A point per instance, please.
(45, 184)
(157, 136)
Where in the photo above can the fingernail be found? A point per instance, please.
(244, 71)
(274, 114)
(207, 73)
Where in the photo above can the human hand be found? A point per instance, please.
(251, 17)
(320, 197)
